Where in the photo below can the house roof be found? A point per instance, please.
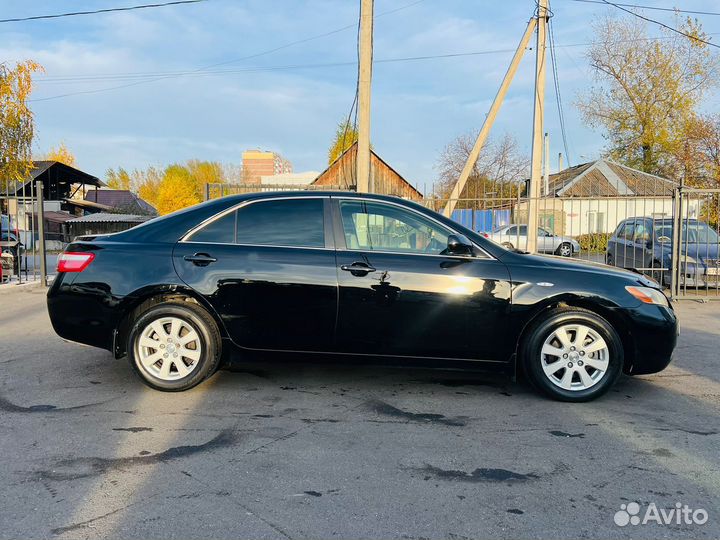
(110, 218)
(65, 173)
(351, 152)
(605, 178)
(122, 199)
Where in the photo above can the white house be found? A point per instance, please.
(595, 197)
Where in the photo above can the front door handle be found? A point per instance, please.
(358, 268)
(200, 259)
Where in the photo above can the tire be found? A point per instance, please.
(609, 260)
(191, 358)
(508, 245)
(547, 372)
(564, 250)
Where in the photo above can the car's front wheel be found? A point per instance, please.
(564, 250)
(572, 354)
(174, 346)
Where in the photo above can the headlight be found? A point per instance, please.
(648, 295)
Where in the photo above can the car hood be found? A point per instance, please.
(700, 251)
(564, 263)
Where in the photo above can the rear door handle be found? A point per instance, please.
(200, 259)
(358, 268)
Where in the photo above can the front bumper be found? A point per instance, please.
(654, 331)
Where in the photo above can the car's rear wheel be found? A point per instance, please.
(572, 354)
(564, 250)
(609, 259)
(508, 245)
(174, 346)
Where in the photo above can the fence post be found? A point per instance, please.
(675, 254)
(41, 232)
(207, 191)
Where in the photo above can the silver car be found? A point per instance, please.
(515, 236)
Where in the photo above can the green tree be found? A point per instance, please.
(647, 90)
(16, 121)
(346, 135)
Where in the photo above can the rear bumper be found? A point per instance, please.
(82, 313)
(654, 331)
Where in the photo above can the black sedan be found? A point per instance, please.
(353, 275)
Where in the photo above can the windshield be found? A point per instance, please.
(692, 233)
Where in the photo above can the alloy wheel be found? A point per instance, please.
(565, 250)
(575, 357)
(169, 348)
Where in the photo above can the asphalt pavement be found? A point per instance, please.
(339, 451)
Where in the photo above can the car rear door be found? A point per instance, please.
(400, 295)
(268, 269)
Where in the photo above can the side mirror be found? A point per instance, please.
(664, 239)
(457, 244)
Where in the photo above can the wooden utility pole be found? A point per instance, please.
(362, 160)
(538, 122)
(546, 161)
(489, 119)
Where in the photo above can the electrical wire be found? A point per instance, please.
(668, 27)
(655, 8)
(558, 97)
(262, 53)
(96, 11)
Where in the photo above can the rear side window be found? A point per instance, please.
(219, 231)
(289, 222)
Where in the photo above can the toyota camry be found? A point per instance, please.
(353, 275)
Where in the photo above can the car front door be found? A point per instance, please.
(401, 294)
(268, 269)
(641, 253)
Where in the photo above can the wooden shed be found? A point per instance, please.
(386, 180)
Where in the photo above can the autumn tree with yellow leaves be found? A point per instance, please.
(647, 90)
(61, 154)
(16, 121)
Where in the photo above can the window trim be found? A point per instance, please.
(327, 232)
(341, 244)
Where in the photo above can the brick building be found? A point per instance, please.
(258, 163)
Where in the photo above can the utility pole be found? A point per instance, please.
(362, 160)
(538, 122)
(546, 173)
(489, 119)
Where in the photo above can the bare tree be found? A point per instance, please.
(496, 175)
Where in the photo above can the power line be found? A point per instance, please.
(96, 11)
(648, 19)
(656, 8)
(558, 98)
(262, 53)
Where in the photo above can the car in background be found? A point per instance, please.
(645, 244)
(515, 236)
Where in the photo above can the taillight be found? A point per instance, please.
(74, 262)
(486, 235)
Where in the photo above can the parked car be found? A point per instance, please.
(645, 244)
(515, 236)
(353, 275)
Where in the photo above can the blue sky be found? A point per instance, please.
(418, 106)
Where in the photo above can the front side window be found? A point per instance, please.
(286, 222)
(383, 227)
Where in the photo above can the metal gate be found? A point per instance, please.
(695, 244)
(22, 233)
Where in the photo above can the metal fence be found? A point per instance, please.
(667, 233)
(29, 242)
